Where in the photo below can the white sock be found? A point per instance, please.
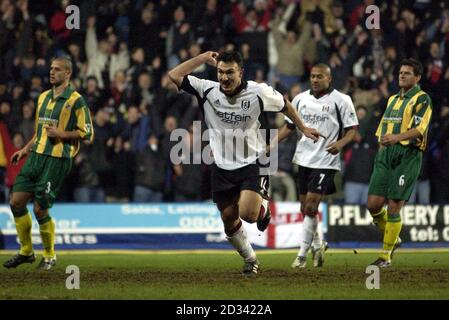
(316, 237)
(239, 241)
(309, 227)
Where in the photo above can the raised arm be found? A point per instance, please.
(179, 72)
(91, 43)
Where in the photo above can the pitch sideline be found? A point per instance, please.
(224, 251)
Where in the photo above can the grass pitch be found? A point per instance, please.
(170, 275)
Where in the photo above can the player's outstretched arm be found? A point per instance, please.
(338, 145)
(291, 113)
(179, 72)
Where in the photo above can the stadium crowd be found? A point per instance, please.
(123, 49)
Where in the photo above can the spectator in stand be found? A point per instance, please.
(10, 147)
(122, 162)
(150, 171)
(103, 62)
(118, 90)
(26, 125)
(58, 23)
(137, 129)
(93, 94)
(140, 37)
(78, 62)
(188, 174)
(178, 37)
(138, 65)
(359, 160)
(291, 51)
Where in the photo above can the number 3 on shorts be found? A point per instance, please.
(48, 187)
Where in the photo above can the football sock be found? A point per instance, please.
(392, 230)
(23, 226)
(47, 231)
(309, 226)
(316, 244)
(239, 240)
(380, 219)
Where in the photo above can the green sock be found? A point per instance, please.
(23, 227)
(392, 230)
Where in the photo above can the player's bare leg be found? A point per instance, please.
(254, 208)
(237, 236)
(249, 205)
(229, 214)
(378, 212)
(23, 221)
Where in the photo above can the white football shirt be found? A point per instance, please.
(234, 122)
(330, 115)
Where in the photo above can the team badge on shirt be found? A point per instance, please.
(417, 120)
(245, 105)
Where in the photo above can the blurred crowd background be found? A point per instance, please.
(123, 49)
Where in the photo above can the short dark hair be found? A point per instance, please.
(415, 64)
(324, 66)
(232, 56)
(66, 60)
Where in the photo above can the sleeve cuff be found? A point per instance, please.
(284, 107)
(185, 84)
(187, 87)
